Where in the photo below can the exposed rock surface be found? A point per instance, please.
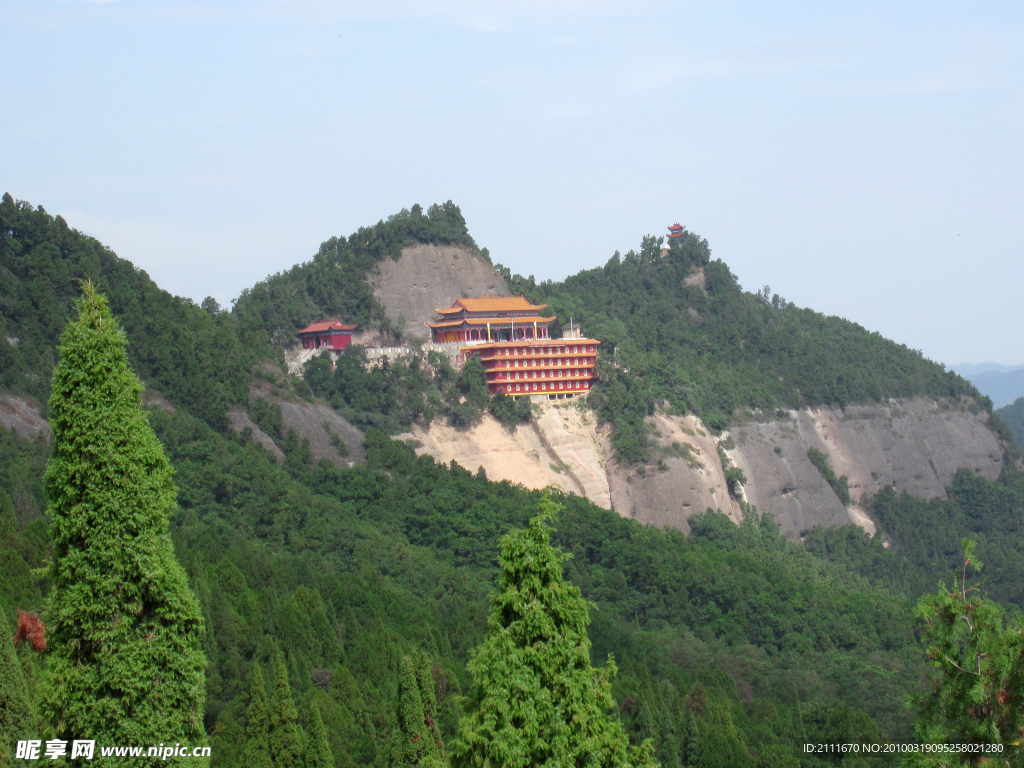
(917, 446)
(317, 423)
(240, 421)
(520, 458)
(150, 397)
(693, 481)
(430, 276)
(22, 415)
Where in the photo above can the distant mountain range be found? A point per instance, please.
(1003, 383)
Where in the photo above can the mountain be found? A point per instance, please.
(1002, 383)
(305, 526)
(968, 370)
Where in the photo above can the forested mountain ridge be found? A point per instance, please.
(688, 335)
(195, 357)
(735, 646)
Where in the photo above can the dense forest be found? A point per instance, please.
(734, 646)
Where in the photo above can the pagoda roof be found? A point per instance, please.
(492, 304)
(676, 226)
(491, 320)
(327, 325)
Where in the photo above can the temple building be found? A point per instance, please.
(498, 318)
(557, 368)
(510, 336)
(332, 335)
(675, 231)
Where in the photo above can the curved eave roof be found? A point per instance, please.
(492, 321)
(326, 326)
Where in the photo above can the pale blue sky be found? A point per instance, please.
(864, 159)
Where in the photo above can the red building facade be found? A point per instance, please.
(329, 335)
(552, 367)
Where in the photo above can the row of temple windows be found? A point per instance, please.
(568, 385)
(546, 350)
(553, 374)
(543, 363)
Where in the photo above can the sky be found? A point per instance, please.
(864, 159)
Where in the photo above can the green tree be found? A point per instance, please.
(257, 732)
(416, 740)
(977, 695)
(285, 742)
(537, 700)
(691, 738)
(318, 753)
(15, 710)
(124, 663)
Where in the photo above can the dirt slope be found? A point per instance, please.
(431, 276)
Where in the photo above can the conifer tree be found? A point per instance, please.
(16, 718)
(426, 687)
(692, 739)
(977, 693)
(285, 743)
(124, 664)
(257, 732)
(416, 741)
(537, 700)
(318, 751)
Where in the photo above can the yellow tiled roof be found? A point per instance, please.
(493, 304)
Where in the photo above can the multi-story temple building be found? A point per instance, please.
(558, 368)
(497, 318)
(510, 336)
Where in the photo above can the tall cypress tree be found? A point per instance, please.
(416, 741)
(285, 744)
(537, 700)
(318, 751)
(425, 681)
(257, 732)
(124, 664)
(15, 710)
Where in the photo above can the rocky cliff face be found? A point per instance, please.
(426, 277)
(21, 415)
(916, 446)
